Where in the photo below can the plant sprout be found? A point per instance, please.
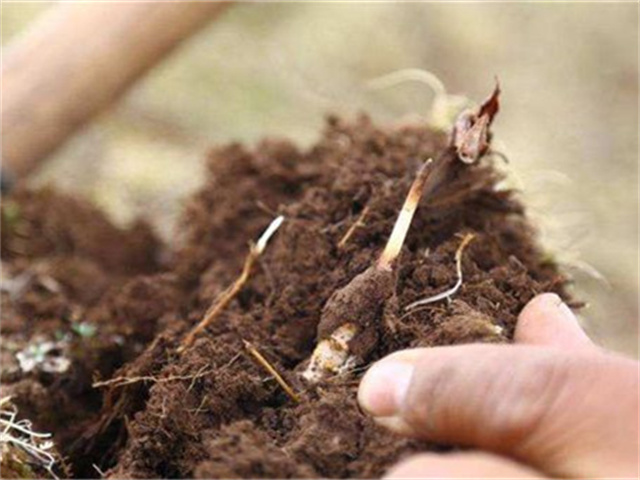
(219, 304)
(347, 328)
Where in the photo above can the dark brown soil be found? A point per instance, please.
(212, 411)
(72, 285)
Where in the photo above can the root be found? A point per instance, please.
(271, 369)
(444, 108)
(230, 293)
(407, 75)
(100, 472)
(357, 224)
(20, 435)
(122, 381)
(588, 269)
(451, 291)
(497, 154)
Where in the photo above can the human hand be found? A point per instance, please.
(553, 404)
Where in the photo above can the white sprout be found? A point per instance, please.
(268, 233)
(331, 355)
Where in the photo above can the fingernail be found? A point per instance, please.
(565, 311)
(384, 387)
(558, 304)
(395, 424)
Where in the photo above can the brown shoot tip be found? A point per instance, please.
(271, 369)
(401, 227)
(470, 136)
(491, 105)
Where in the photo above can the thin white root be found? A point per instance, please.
(229, 294)
(587, 268)
(408, 75)
(20, 435)
(331, 354)
(97, 469)
(122, 381)
(401, 227)
(451, 291)
(444, 108)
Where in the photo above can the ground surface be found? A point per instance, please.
(89, 303)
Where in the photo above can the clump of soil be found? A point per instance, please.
(213, 411)
(79, 299)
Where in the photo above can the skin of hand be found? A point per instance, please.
(552, 404)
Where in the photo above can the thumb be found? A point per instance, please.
(542, 406)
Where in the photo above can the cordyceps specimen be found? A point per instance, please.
(347, 329)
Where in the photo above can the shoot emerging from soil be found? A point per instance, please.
(450, 291)
(401, 227)
(349, 326)
(470, 135)
(218, 305)
(363, 295)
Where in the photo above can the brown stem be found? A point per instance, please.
(358, 223)
(222, 301)
(255, 250)
(271, 369)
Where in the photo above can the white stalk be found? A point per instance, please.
(331, 353)
(401, 227)
(268, 233)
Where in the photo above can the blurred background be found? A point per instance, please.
(569, 123)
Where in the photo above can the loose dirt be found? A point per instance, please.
(130, 405)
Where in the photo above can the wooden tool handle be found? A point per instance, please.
(75, 61)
